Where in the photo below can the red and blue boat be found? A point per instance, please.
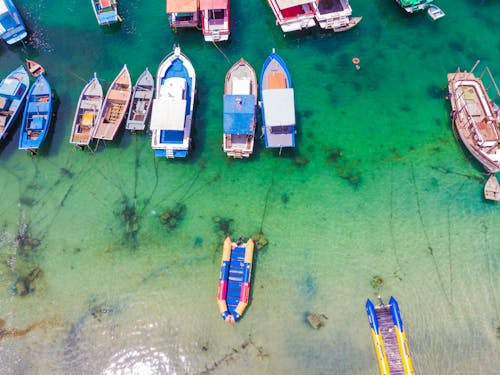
(389, 338)
(234, 281)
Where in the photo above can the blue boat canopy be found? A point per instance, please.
(239, 113)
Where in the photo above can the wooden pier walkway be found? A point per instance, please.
(386, 325)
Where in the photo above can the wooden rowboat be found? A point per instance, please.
(492, 189)
(142, 98)
(34, 68)
(115, 106)
(88, 108)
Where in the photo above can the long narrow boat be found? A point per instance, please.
(13, 90)
(215, 20)
(173, 106)
(389, 338)
(114, 106)
(234, 280)
(473, 117)
(277, 101)
(142, 97)
(37, 115)
(106, 11)
(240, 103)
(412, 6)
(34, 68)
(12, 28)
(87, 110)
(293, 15)
(335, 15)
(183, 14)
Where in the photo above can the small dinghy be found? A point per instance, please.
(34, 68)
(435, 12)
(492, 189)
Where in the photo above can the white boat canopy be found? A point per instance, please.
(168, 114)
(283, 4)
(279, 107)
(182, 6)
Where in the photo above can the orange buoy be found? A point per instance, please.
(356, 61)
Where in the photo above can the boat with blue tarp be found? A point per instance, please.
(277, 103)
(13, 90)
(235, 277)
(389, 338)
(172, 109)
(106, 11)
(37, 115)
(240, 101)
(12, 28)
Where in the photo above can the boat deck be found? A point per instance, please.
(235, 279)
(329, 6)
(391, 347)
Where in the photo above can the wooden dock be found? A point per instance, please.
(391, 346)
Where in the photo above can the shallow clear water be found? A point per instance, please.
(377, 185)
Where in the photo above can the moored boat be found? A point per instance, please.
(12, 28)
(435, 12)
(34, 68)
(106, 11)
(492, 189)
(140, 106)
(335, 15)
(13, 90)
(215, 20)
(114, 106)
(87, 110)
(172, 112)
(473, 117)
(37, 115)
(389, 338)
(235, 278)
(412, 6)
(277, 102)
(240, 101)
(183, 13)
(293, 15)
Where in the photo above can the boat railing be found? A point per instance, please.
(487, 71)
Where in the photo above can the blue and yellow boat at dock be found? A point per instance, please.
(389, 338)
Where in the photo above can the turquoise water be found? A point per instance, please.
(378, 186)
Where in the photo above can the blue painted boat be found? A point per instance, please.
(37, 115)
(277, 103)
(13, 90)
(12, 28)
(171, 116)
(106, 11)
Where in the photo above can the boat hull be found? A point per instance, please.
(37, 115)
(473, 119)
(172, 109)
(235, 278)
(87, 111)
(277, 103)
(106, 12)
(114, 107)
(13, 91)
(295, 18)
(140, 106)
(240, 102)
(12, 29)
